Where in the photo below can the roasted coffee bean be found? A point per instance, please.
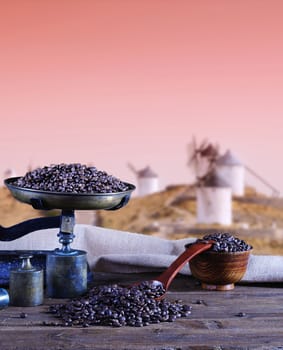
(225, 242)
(71, 178)
(117, 306)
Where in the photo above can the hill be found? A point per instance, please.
(12, 211)
(172, 214)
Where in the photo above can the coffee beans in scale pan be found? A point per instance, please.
(71, 178)
(224, 264)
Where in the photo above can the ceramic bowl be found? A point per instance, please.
(219, 270)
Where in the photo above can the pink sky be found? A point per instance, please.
(112, 81)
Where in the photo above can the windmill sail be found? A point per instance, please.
(202, 157)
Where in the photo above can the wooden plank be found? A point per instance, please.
(129, 338)
(214, 322)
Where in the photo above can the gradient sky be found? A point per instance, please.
(111, 81)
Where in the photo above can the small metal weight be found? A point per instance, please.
(4, 298)
(26, 284)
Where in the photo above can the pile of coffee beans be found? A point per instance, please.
(225, 242)
(73, 178)
(117, 306)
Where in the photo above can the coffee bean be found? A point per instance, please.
(71, 178)
(225, 242)
(117, 306)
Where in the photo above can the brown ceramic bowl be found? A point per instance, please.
(219, 270)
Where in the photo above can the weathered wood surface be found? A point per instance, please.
(213, 324)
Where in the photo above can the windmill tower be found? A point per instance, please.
(213, 193)
(214, 201)
(147, 180)
(233, 171)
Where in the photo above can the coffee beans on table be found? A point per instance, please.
(225, 242)
(72, 178)
(116, 306)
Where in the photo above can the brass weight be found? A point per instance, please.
(26, 284)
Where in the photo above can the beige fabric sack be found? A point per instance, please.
(126, 252)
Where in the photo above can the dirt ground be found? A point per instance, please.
(12, 211)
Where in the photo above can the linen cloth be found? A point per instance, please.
(111, 250)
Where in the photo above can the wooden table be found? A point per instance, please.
(248, 317)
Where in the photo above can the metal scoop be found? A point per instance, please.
(163, 281)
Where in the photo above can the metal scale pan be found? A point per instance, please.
(69, 201)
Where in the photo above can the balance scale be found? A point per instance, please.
(66, 268)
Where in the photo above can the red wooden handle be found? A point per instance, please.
(194, 249)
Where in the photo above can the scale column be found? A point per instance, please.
(66, 268)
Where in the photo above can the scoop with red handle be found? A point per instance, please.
(163, 281)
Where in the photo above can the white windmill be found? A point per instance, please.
(233, 171)
(213, 194)
(147, 180)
